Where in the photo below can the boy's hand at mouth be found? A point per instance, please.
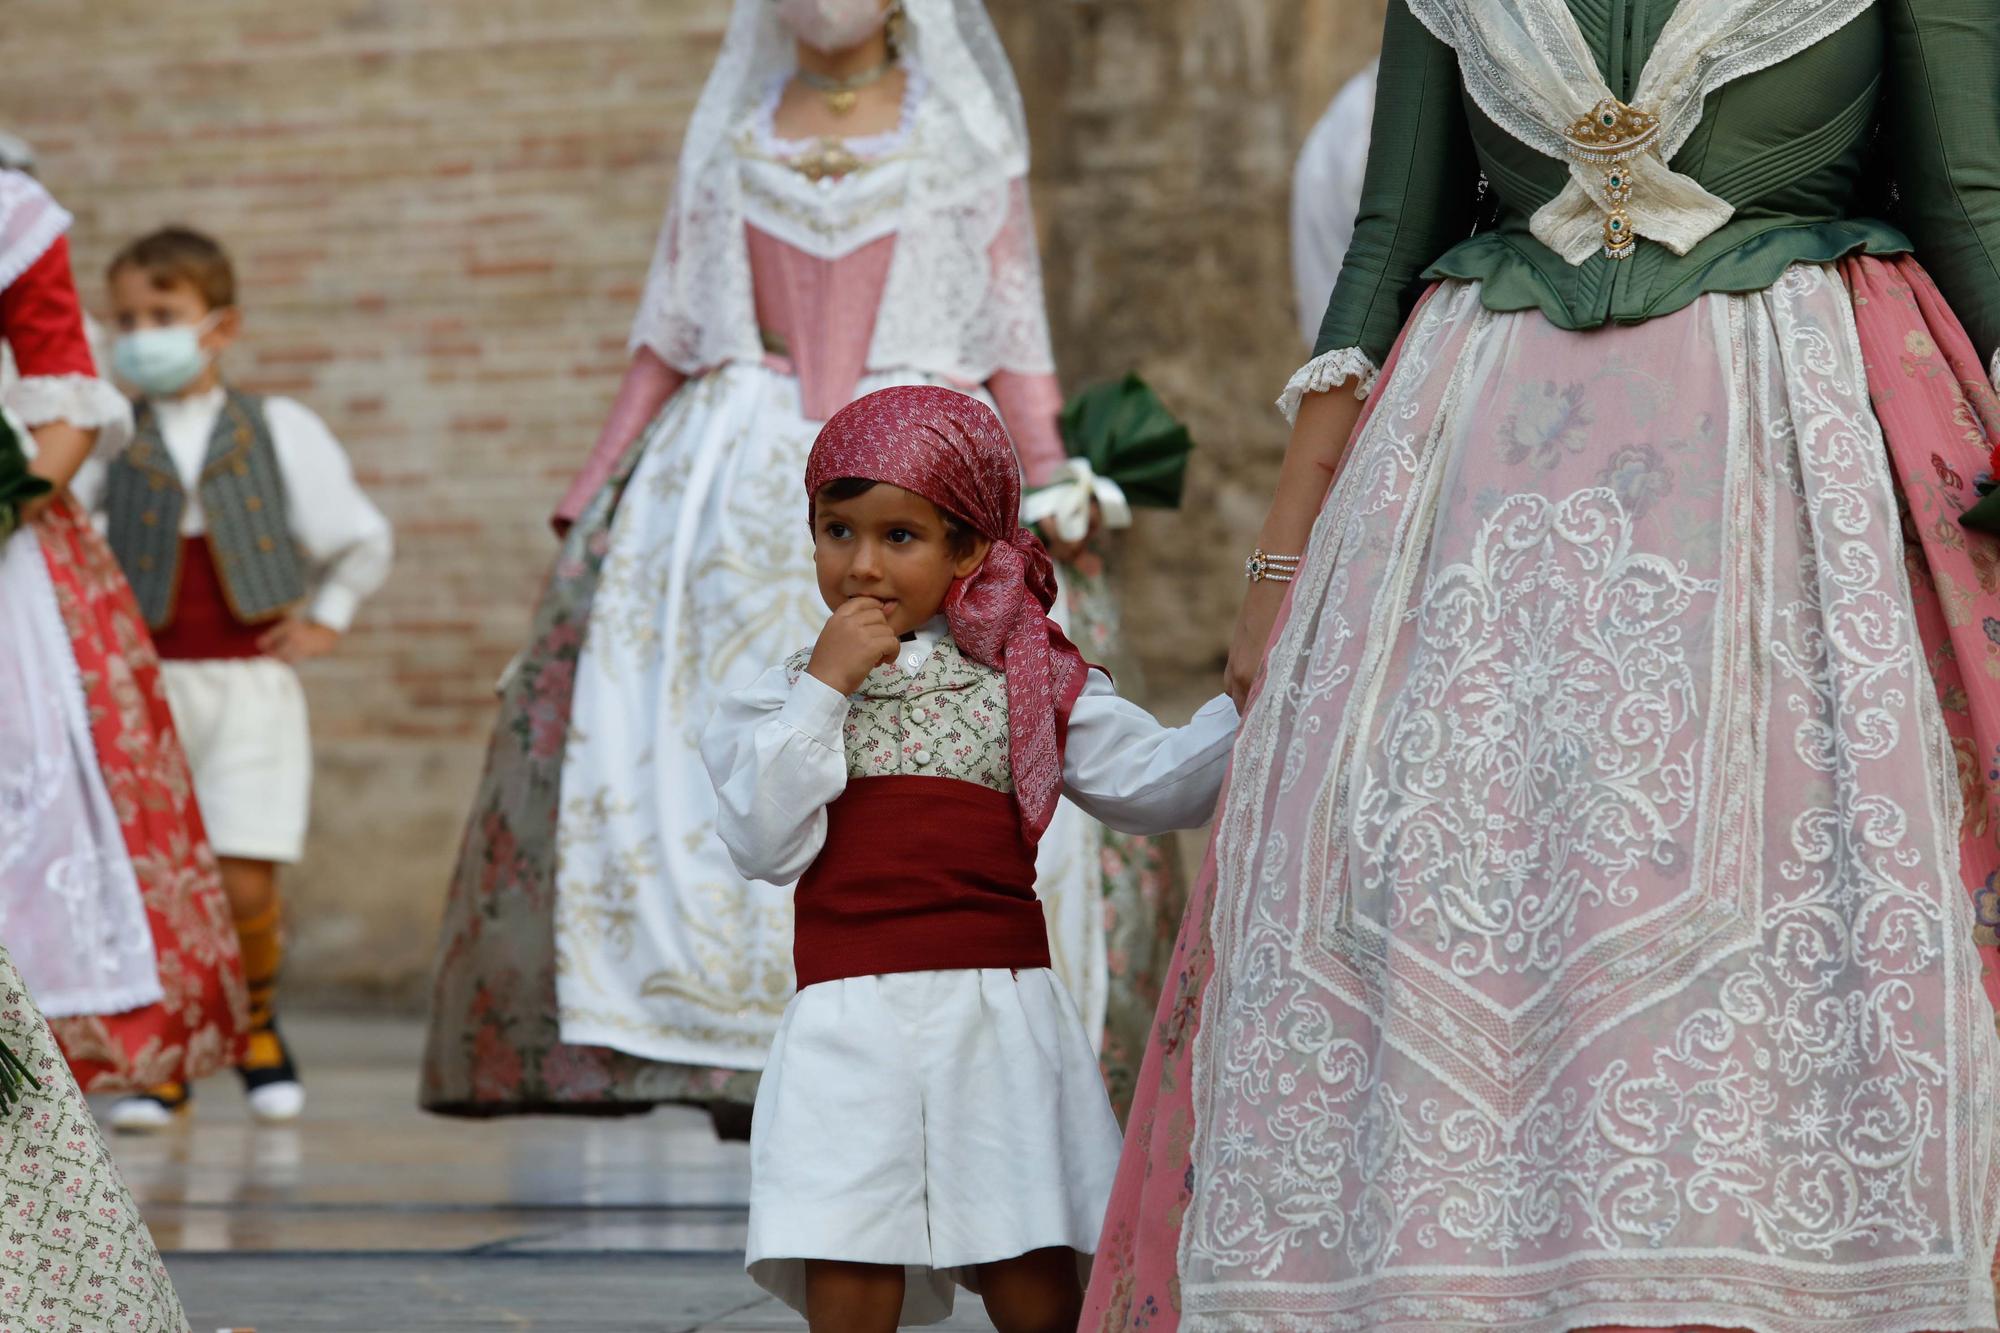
(856, 640)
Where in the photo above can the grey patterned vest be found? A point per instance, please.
(242, 499)
(947, 721)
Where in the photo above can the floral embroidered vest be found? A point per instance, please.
(949, 720)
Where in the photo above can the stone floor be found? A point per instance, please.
(368, 1216)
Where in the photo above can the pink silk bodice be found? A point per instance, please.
(819, 317)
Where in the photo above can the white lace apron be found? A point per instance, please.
(1589, 941)
(70, 911)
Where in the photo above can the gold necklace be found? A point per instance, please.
(842, 93)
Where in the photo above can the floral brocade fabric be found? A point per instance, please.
(494, 1046)
(199, 1025)
(75, 1256)
(1941, 418)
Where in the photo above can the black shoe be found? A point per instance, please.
(731, 1121)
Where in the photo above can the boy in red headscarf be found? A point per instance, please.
(932, 1111)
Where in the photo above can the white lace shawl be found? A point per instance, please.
(947, 306)
(1528, 66)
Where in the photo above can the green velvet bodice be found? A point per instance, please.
(1804, 151)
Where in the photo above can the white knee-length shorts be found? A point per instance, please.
(243, 725)
(934, 1120)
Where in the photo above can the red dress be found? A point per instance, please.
(197, 1028)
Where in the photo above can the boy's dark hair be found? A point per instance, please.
(958, 533)
(175, 255)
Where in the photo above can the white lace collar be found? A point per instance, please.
(1528, 66)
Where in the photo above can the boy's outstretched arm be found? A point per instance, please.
(1124, 769)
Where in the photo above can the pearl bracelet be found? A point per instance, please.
(1263, 567)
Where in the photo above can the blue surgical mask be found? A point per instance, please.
(161, 362)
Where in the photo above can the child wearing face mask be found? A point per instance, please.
(241, 529)
(931, 1111)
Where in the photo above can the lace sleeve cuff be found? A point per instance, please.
(1329, 371)
(84, 401)
(1993, 372)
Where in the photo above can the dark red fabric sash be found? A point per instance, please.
(203, 627)
(918, 874)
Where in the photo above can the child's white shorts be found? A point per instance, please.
(936, 1120)
(243, 725)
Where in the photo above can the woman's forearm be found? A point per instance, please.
(649, 382)
(60, 449)
(1319, 443)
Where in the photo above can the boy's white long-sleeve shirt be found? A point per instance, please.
(346, 539)
(777, 756)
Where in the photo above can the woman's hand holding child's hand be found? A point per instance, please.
(856, 640)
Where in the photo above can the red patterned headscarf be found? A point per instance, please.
(951, 449)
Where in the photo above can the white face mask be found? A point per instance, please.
(832, 25)
(161, 362)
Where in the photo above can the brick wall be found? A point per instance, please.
(441, 212)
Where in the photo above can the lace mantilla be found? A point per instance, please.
(963, 295)
(1327, 371)
(1527, 65)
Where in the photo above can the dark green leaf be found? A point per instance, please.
(1127, 434)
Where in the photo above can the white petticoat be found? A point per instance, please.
(663, 949)
(937, 1120)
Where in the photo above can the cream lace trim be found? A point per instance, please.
(84, 401)
(1328, 371)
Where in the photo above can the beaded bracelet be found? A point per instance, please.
(1263, 567)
